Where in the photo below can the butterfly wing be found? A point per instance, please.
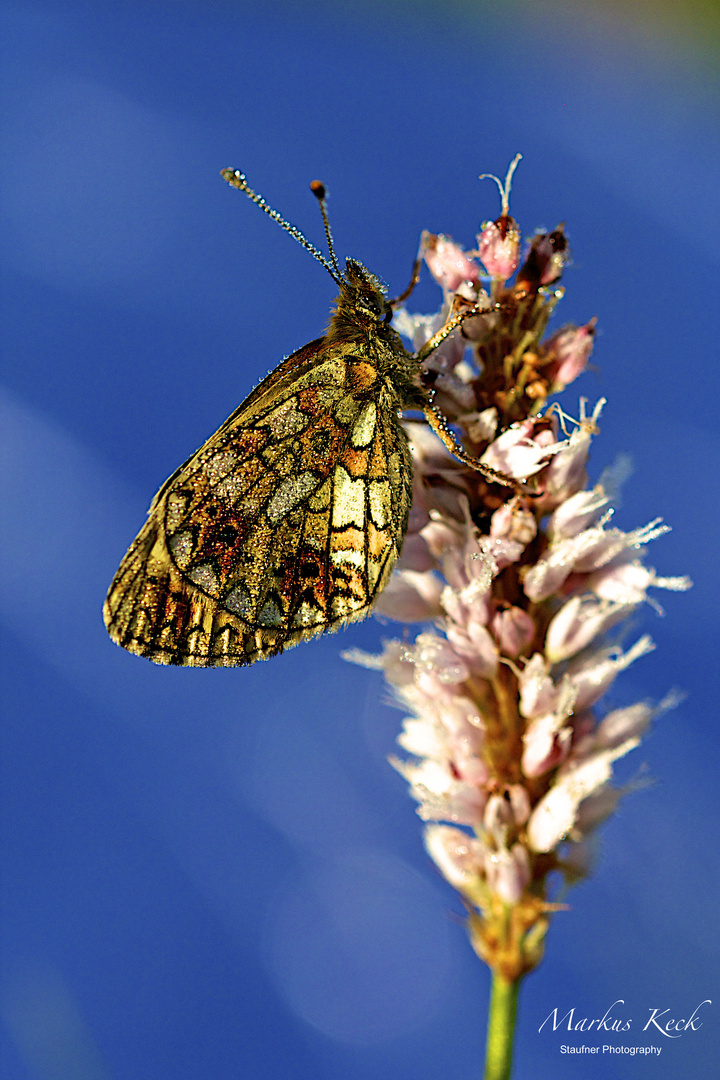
(286, 523)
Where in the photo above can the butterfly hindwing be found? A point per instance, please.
(286, 523)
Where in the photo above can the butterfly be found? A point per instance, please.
(289, 520)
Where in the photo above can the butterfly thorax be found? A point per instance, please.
(361, 318)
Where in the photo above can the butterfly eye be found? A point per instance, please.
(375, 307)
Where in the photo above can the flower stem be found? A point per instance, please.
(501, 1027)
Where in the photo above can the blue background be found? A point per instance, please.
(215, 874)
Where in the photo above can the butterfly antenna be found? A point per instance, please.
(238, 180)
(318, 190)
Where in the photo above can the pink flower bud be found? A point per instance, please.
(556, 813)
(584, 553)
(581, 511)
(514, 521)
(569, 350)
(447, 262)
(548, 574)
(583, 724)
(410, 596)
(458, 856)
(514, 630)
(508, 872)
(439, 482)
(470, 768)
(476, 646)
(597, 547)
(627, 582)
(499, 241)
(621, 724)
(594, 675)
(465, 805)
(501, 550)
(552, 818)
(396, 662)
(481, 426)
(544, 261)
(577, 623)
(498, 817)
(440, 536)
(429, 453)
(622, 582)
(423, 737)
(435, 656)
(469, 565)
(499, 247)
(440, 794)
(416, 554)
(538, 692)
(448, 354)
(545, 745)
(466, 604)
(565, 474)
(522, 450)
(519, 802)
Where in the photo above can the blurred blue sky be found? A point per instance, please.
(216, 874)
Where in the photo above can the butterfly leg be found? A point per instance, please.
(442, 429)
(438, 422)
(445, 332)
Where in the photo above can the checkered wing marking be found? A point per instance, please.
(286, 523)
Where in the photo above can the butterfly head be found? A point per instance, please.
(362, 304)
(362, 309)
(364, 293)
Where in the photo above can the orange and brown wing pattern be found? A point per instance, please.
(286, 523)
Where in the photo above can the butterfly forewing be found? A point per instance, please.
(287, 522)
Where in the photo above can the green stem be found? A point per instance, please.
(501, 1027)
